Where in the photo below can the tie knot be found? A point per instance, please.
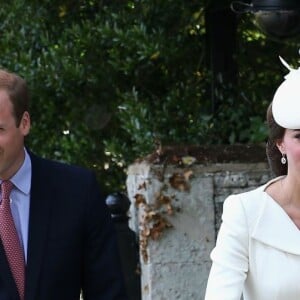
(6, 187)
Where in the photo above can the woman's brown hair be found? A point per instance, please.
(276, 133)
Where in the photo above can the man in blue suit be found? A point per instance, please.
(63, 226)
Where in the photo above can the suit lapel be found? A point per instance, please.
(275, 228)
(40, 210)
(6, 275)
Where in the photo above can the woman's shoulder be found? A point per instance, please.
(247, 197)
(250, 202)
(253, 196)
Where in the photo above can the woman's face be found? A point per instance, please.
(290, 145)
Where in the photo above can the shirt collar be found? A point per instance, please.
(22, 179)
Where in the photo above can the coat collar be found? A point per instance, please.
(274, 227)
(6, 276)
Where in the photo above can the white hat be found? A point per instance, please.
(286, 101)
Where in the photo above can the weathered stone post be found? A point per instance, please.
(176, 203)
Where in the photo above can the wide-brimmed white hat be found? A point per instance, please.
(286, 101)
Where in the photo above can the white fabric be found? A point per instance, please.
(257, 252)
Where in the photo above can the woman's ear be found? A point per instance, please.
(280, 146)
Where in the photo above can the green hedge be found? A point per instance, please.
(111, 79)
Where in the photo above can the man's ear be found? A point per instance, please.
(25, 123)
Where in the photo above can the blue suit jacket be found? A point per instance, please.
(71, 243)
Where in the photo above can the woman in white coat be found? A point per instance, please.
(257, 253)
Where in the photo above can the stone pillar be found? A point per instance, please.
(175, 211)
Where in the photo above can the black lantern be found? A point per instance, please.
(278, 19)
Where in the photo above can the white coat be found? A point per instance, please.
(257, 253)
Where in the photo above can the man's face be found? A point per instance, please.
(11, 138)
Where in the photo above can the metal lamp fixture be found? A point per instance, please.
(279, 19)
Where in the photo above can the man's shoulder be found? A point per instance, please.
(58, 168)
